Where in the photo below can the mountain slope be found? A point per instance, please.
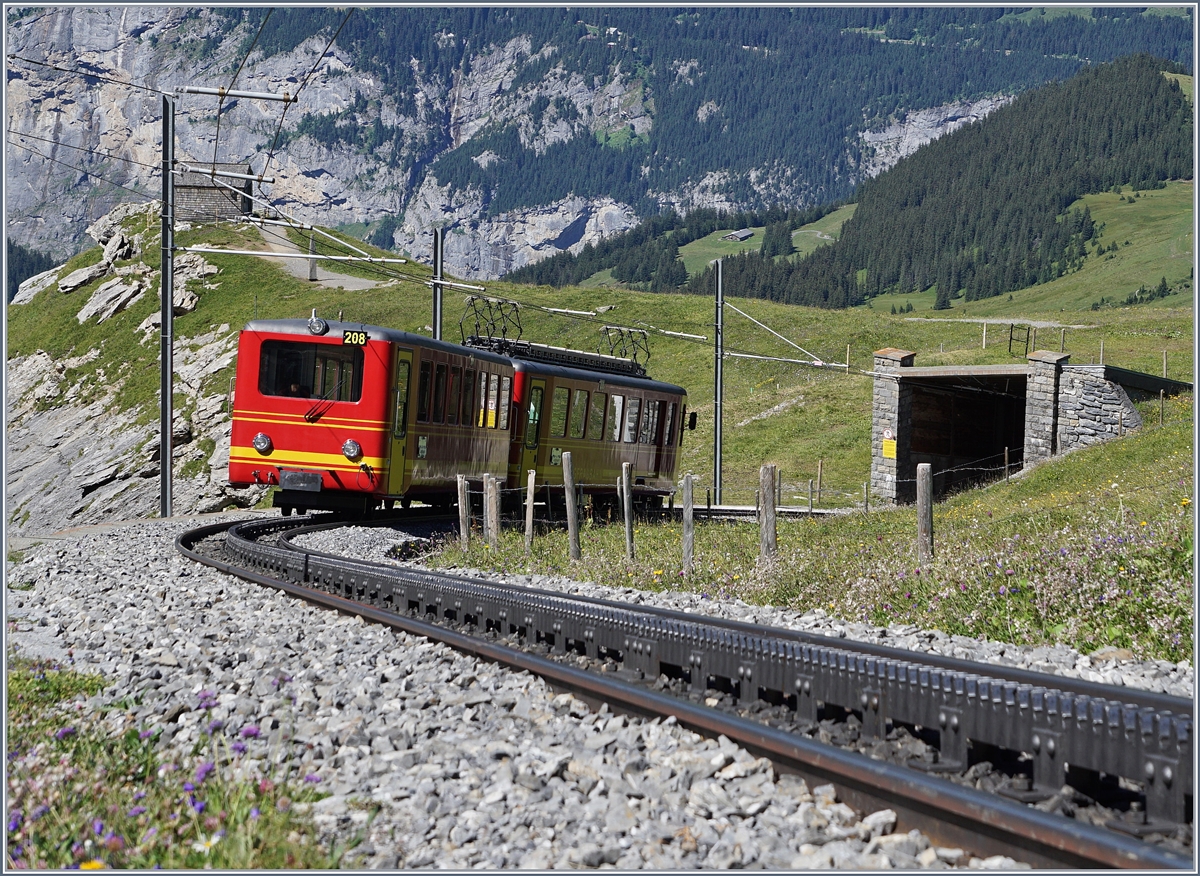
(981, 212)
(525, 131)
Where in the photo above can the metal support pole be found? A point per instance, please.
(439, 241)
(167, 294)
(493, 511)
(572, 508)
(689, 526)
(820, 472)
(312, 263)
(985, 336)
(1062, 341)
(487, 518)
(924, 513)
(1006, 464)
(719, 348)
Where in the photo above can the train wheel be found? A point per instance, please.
(285, 510)
(405, 502)
(389, 504)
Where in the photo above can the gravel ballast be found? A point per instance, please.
(471, 765)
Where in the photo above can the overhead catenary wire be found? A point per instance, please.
(233, 81)
(13, 57)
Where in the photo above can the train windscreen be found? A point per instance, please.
(302, 369)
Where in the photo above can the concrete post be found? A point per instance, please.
(464, 513)
(532, 475)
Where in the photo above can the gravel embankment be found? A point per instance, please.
(472, 765)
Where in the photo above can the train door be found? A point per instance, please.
(537, 397)
(399, 456)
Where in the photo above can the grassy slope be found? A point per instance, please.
(825, 415)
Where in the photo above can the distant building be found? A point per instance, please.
(201, 198)
(744, 234)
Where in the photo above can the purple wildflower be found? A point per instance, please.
(38, 812)
(203, 770)
(138, 795)
(189, 787)
(14, 820)
(239, 747)
(64, 733)
(198, 805)
(254, 813)
(145, 734)
(98, 827)
(136, 811)
(312, 778)
(250, 732)
(216, 725)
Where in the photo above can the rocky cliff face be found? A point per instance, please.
(902, 138)
(81, 144)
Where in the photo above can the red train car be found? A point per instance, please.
(346, 416)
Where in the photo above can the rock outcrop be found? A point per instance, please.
(918, 127)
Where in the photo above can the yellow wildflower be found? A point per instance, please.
(93, 865)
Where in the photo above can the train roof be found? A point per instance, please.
(377, 333)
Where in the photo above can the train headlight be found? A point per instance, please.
(351, 449)
(262, 442)
(316, 325)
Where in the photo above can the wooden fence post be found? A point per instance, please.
(689, 526)
(464, 512)
(572, 508)
(810, 495)
(1164, 363)
(1006, 465)
(1161, 405)
(820, 466)
(532, 476)
(866, 499)
(766, 514)
(627, 506)
(924, 513)
(492, 494)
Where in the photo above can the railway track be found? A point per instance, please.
(656, 662)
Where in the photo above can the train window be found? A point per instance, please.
(481, 413)
(669, 425)
(579, 413)
(401, 423)
(682, 420)
(304, 370)
(439, 393)
(631, 420)
(468, 398)
(616, 410)
(493, 393)
(535, 416)
(649, 423)
(453, 391)
(423, 392)
(505, 400)
(558, 412)
(595, 430)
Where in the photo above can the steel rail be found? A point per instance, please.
(949, 814)
(1066, 684)
(1068, 737)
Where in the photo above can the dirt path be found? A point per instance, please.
(277, 241)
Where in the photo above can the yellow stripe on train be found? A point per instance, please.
(298, 457)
